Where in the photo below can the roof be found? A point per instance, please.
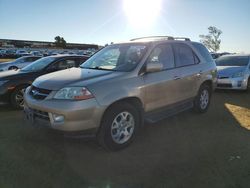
(68, 55)
(159, 38)
(236, 55)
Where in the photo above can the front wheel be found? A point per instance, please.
(119, 126)
(17, 100)
(202, 100)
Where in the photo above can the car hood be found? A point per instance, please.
(228, 71)
(9, 74)
(73, 77)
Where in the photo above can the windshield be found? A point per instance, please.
(20, 60)
(232, 61)
(123, 57)
(39, 64)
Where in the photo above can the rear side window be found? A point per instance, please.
(184, 55)
(81, 60)
(35, 58)
(163, 54)
(65, 64)
(203, 51)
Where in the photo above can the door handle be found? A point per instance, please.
(177, 78)
(199, 74)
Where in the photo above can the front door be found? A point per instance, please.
(161, 88)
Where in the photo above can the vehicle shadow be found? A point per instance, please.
(235, 97)
(6, 108)
(186, 150)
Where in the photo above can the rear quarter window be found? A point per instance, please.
(184, 55)
(203, 51)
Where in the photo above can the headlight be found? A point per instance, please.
(238, 74)
(74, 93)
(3, 82)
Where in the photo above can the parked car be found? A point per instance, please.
(217, 55)
(21, 53)
(36, 53)
(233, 72)
(2, 53)
(113, 92)
(10, 53)
(13, 83)
(18, 63)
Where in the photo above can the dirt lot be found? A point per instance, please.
(189, 150)
(5, 60)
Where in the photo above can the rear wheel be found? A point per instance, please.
(13, 68)
(119, 126)
(202, 100)
(17, 100)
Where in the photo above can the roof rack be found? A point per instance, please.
(182, 38)
(162, 38)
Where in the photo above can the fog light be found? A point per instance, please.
(58, 118)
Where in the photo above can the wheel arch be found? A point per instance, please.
(208, 83)
(134, 101)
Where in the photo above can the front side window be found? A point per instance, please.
(163, 54)
(121, 57)
(184, 55)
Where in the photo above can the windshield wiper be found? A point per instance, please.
(97, 68)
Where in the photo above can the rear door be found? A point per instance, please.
(187, 71)
(161, 87)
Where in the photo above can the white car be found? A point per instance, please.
(233, 72)
(20, 53)
(36, 53)
(18, 63)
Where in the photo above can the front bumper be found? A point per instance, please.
(77, 115)
(232, 83)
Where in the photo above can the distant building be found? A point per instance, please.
(9, 43)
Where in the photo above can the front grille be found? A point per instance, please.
(224, 85)
(39, 93)
(41, 114)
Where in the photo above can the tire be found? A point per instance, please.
(248, 85)
(202, 100)
(16, 97)
(120, 119)
(13, 68)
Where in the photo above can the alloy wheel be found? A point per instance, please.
(19, 97)
(122, 127)
(204, 99)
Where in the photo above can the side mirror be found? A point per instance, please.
(154, 67)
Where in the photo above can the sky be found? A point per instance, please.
(104, 21)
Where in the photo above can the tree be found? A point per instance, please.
(212, 41)
(60, 42)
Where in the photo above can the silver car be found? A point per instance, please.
(123, 85)
(233, 72)
(18, 63)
